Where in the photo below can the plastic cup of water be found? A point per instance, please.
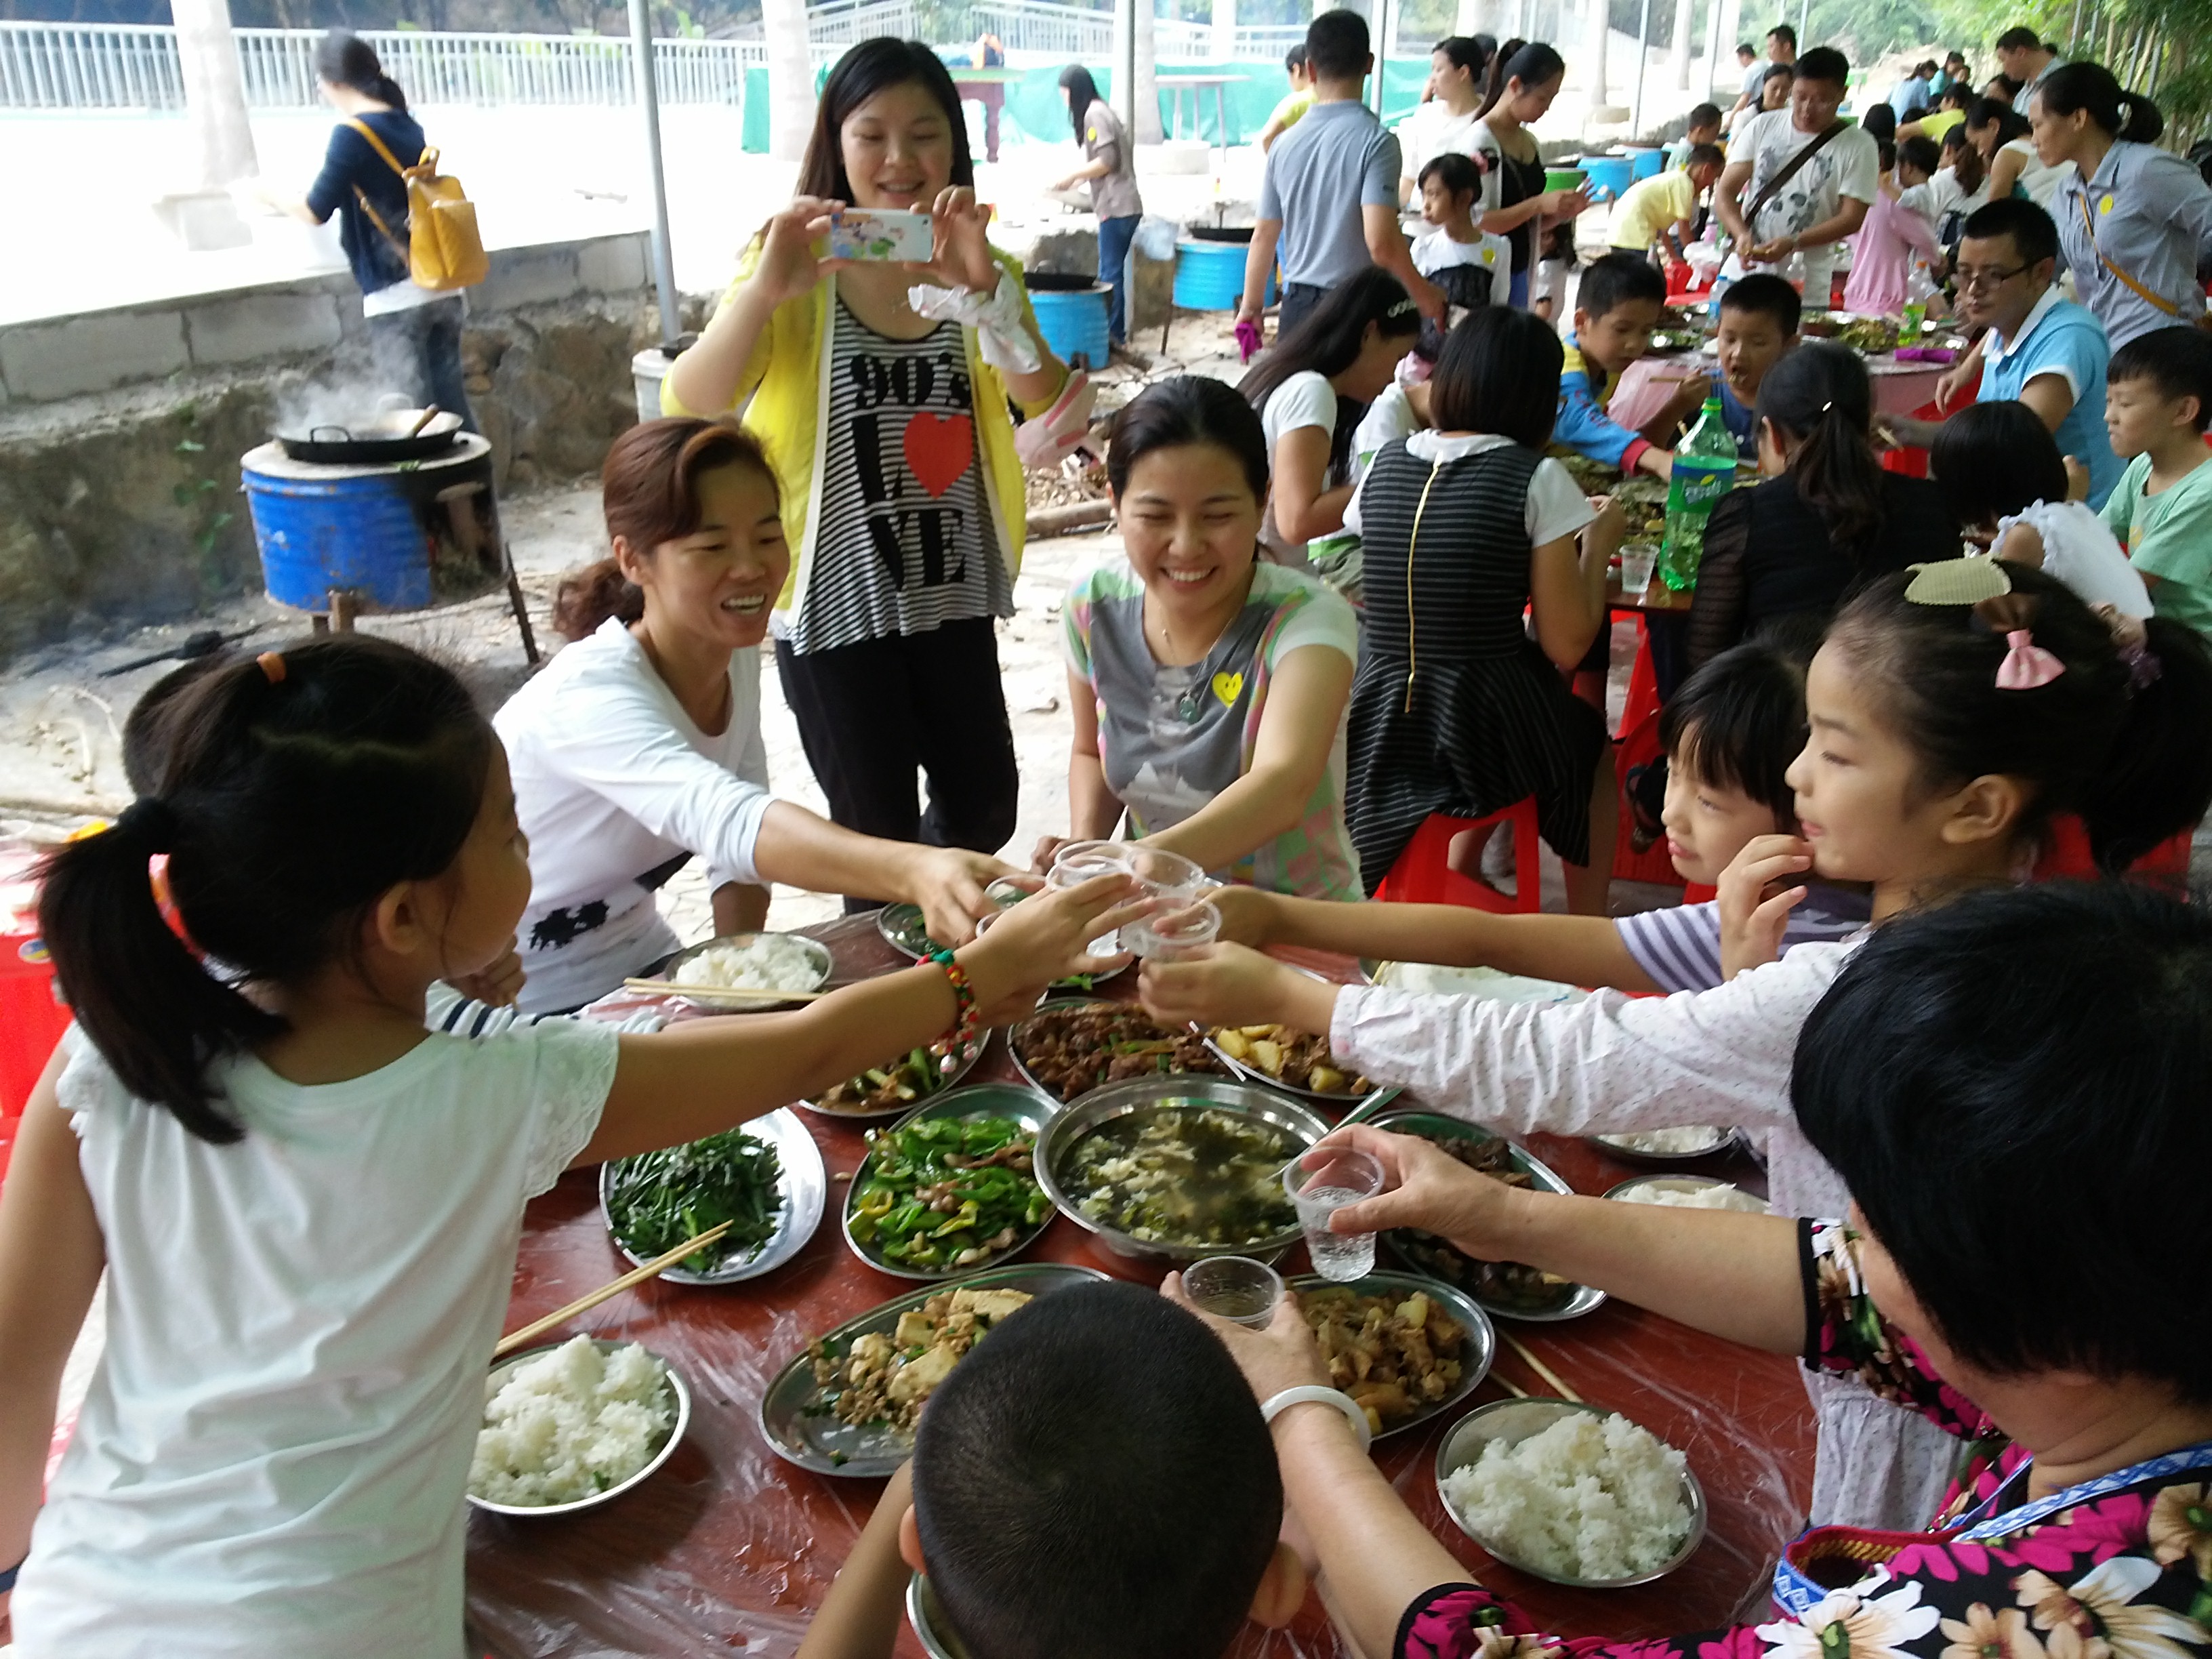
(1638, 560)
(1165, 875)
(1235, 1288)
(1320, 1184)
(1172, 934)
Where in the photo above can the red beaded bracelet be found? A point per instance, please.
(959, 1045)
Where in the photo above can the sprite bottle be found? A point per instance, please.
(1705, 470)
(1919, 288)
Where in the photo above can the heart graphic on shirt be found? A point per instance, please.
(1228, 688)
(939, 449)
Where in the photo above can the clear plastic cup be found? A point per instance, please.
(1164, 875)
(1337, 1176)
(1166, 936)
(1079, 861)
(1235, 1288)
(1638, 560)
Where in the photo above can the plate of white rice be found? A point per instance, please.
(1668, 1145)
(573, 1425)
(1571, 1493)
(1688, 1193)
(753, 962)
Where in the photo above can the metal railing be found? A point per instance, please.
(1039, 26)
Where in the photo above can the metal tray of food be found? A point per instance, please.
(905, 932)
(1577, 1301)
(816, 952)
(1717, 1141)
(1479, 1348)
(1004, 1100)
(1018, 1034)
(904, 1067)
(802, 1182)
(1292, 1118)
(796, 1419)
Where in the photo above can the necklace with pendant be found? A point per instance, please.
(1191, 701)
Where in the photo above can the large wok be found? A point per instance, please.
(373, 440)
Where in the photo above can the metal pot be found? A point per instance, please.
(375, 441)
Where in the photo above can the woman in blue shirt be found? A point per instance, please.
(415, 332)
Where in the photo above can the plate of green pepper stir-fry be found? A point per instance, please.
(948, 1190)
(766, 1177)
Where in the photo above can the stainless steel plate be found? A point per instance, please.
(802, 1183)
(929, 1622)
(1580, 1300)
(1720, 1140)
(885, 1115)
(800, 1429)
(500, 1373)
(818, 952)
(1018, 1030)
(1026, 1106)
(1626, 1190)
(1481, 1345)
(1300, 1121)
(1513, 1420)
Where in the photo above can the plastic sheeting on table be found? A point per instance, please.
(728, 1549)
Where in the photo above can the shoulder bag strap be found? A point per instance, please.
(375, 218)
(1772, 187)
(390, 161)
(2089, 227)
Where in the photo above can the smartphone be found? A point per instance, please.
(881, 234)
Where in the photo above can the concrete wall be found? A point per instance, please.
(121, 431)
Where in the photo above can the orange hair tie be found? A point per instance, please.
(272, 664)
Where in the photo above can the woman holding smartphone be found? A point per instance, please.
(888, 424)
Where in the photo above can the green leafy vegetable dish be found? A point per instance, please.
(658, 1200)
(946, 1195)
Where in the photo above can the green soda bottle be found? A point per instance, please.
(1705, 470)
(1920, 286)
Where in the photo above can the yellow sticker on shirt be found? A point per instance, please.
(1228, 687)
(2105, 204)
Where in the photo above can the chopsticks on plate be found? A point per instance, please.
(651, 1269)
(1509, 1385)
(1541, 1369)
(719, 992)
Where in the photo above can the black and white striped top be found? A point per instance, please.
(904, 542)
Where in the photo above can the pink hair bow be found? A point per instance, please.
(2026, 665)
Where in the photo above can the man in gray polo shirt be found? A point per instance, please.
(1330, 194)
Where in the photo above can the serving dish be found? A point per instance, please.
(1002, 1100)
(886, 1113)
(1017, 1034)
(1475, 1355)
(505, 1368)
(802, 1182)
(816, 953)
(1627, 1191)
(902, 928)
(1720, 1141)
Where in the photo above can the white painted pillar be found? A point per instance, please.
(1685, 10)
(1225, 32)
(790, 78)
(215, 93)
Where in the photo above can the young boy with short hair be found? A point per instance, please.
(1450, 186)
(1616, 308)
(1758, 324)
(1094, 1480)
(1704, 128)
(2158, 401)
(1295, 103)
(1659, 215)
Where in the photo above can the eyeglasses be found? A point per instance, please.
(1969, 278)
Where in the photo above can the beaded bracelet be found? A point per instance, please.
(959, 1045)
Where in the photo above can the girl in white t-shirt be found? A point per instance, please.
(306, 1205)
(1946, 730)
(1311, 391)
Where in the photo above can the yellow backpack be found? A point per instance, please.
(442, 247)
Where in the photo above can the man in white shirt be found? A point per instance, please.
(1775, 205)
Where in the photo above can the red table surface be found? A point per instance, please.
(728, 1548)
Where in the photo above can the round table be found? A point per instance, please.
(729, 1549)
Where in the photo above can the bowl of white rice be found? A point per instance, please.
(1688, 1193)
(575, 1424)
(752, 961)
(1573, 1494)
(1667, 1146)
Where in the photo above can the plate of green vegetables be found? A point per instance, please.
(766, 1177)
(949, 1189)
(895, 1088)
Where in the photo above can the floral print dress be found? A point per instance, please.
(2114, 1568)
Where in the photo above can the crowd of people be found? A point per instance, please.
(298, 1115)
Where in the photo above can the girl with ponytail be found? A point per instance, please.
(1525, 77)
(1826, 518)
(306, 1205)
(2130, 215)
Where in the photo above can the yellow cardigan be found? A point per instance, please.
(787, 380)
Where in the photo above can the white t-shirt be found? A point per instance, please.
(2079, 549)
(1943, 196)
(1849, 165)
(2041, 182)
(1556, 505)
(613, 782)
(1390, 415)
(1305, 399)
(273, 1453)
(1438, 251)
(1422, 137)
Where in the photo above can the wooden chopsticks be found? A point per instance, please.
(1541, 1369)
(651, 1269)
(719, 992)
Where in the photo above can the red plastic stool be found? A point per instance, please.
(1424, 875)
(2066, 857)
(1911, 461)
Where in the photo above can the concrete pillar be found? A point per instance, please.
(1148, 129)
(1719, 49)
(215, 93)
(1596, 29)
(1225, 31)
(1684, 11)
(790, 78)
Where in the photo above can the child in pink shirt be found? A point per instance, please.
(1895, 230)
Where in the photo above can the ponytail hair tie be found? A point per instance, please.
(271, 663)
(2026, 665)
(150, 821)
(1826, 407)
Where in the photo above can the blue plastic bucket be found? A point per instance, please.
(395, 537)
(1072, 321)
(1609, 175)
(1644, 163)
(1210, 275)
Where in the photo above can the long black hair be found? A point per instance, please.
(1530, 62)
(1329, 340)
(296, 789)
(1082, 93)
(344, 59)
(1991, 461)
(1820, 396)
(2092, 87)
(1182, 410)
(865, 69)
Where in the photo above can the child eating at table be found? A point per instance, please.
(1952, 711)
(1472, 267)
(1616, 308)
(307, 1206)
(2158, 401)
(1758, 324)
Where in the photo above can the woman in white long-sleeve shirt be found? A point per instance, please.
(638, 747)
(1945, 732)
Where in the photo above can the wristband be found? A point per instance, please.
(8, 1578)
(959, 1045)
(1319, 1396)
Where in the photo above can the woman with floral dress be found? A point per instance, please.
(2044, 1054)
